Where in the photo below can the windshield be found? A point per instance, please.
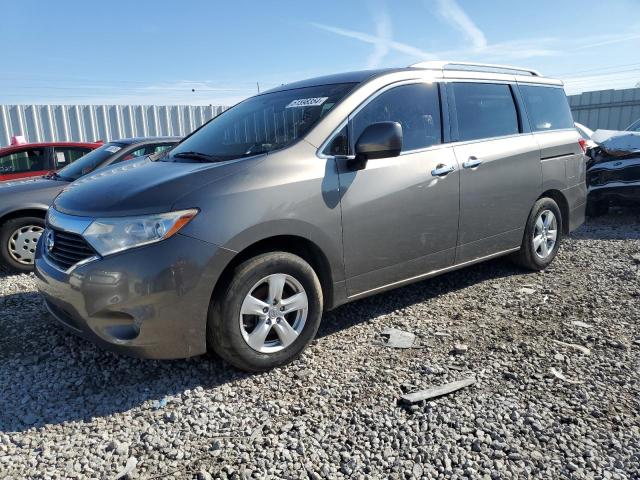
(261, 124)
(90, 161)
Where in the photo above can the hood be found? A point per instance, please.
(140, 187)
(617, 143)
(30, 185)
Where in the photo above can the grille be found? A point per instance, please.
(68, 249)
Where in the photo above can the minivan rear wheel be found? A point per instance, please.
(267, 314)
(542, 236)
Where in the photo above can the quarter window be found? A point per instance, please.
(32, 160)
(547, 107)
(416, 107)
(485, 110)
(340, 143)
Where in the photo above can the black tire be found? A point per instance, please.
(527, 257)
(597, 208)
(224, 332)
(6, 231)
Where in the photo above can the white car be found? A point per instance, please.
(586, 133)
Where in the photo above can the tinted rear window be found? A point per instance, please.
(485, 110)
(547, 107)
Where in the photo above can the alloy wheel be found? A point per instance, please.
(545, 234)
(274, 313)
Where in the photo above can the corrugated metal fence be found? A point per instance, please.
(51, 123)
(609, 109)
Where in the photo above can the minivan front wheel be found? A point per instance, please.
(267, 314)
(542, 236)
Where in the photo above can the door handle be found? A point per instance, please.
(442, 170)
(472, 162)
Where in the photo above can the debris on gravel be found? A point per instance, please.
(394, 338)
(573, 346)
(71, 410)
(460, 348)
(439, 391)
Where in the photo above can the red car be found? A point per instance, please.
(22, 160)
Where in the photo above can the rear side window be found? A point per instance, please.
(31, 160)
(485, 110)
(547, 107)
(416, 107)
(64, 156)
(634, 127)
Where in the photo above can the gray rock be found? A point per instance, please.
(73, 410)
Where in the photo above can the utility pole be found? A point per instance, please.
(258, 84)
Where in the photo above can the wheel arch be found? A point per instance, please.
(558, 197)
(296, 245)
(23, 212)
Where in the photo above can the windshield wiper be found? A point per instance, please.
(201, 157)
(54, 176)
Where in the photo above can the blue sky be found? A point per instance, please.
(159, 52)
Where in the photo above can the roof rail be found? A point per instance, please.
(445, 65)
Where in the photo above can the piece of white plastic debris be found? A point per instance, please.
(460, 348)
(442, 334)
(527, 290)
(559, 375)
(574, 346)
(578, 323)
(128, 468)
(437, 391)
(398, 338)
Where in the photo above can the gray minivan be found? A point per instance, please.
(306, 197)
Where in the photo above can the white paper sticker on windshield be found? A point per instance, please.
(60, 158)
(113, 149)
(307, 102)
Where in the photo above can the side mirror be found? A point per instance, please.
(379, 140)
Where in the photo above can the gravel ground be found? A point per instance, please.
(70, 410)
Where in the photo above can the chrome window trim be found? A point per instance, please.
(541, 85)
(370, 98)
(488, 139)
(320, 152)
(514, 83)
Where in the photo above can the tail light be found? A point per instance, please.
(583, 145)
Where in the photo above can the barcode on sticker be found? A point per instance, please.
(307, 102)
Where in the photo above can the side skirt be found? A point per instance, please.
(430, 274)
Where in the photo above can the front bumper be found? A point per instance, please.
(149, 302)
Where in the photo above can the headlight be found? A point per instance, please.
(111, 235)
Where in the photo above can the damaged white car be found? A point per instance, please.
(613, 171)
